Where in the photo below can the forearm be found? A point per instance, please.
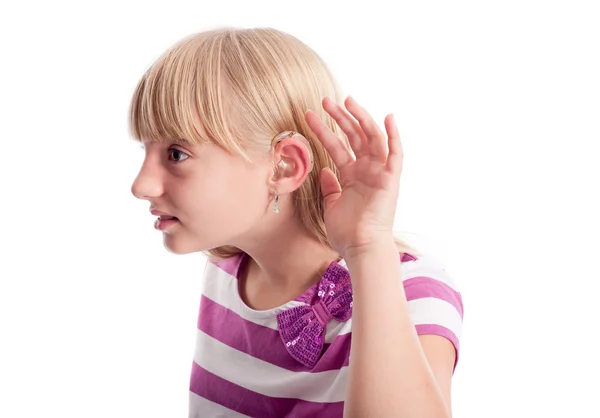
(389, 375)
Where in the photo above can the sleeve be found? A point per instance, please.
(434, 302)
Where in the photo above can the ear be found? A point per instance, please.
(292, 163)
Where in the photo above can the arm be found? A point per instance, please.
(393, 372)
(390, 374)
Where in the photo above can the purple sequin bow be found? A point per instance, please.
(302, 328)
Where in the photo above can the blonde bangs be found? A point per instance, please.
(180, 97)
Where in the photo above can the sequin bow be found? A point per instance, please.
(302, 328)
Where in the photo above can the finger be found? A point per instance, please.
(335, 147)
(355, 134)
(396, 154)
(330, 188)
(375, 138)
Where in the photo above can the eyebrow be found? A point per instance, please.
(181, 142)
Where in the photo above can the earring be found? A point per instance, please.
(276, 205)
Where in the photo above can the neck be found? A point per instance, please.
(285, 255)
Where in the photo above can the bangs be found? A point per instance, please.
(180, 98)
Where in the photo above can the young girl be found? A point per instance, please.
(310, 307)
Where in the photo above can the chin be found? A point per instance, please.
(182, 246)
(178, 251)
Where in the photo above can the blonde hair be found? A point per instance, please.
(239, 88)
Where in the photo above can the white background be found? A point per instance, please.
(498, 105)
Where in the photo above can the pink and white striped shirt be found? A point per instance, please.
(242, 367)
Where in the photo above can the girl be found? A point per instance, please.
(310, 307)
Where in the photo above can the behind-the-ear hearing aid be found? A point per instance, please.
(285, 166)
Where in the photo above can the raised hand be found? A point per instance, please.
(359, 212)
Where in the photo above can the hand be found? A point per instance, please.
(359, 213)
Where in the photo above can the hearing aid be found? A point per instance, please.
(285, 166)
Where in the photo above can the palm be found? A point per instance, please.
(362, 207)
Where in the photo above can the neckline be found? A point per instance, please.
(304, 298)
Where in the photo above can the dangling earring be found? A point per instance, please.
(276, 205)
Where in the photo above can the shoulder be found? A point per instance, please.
(220, 276)
(434, 300)
(425, 276)
(229, 266)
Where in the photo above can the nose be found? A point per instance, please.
(148, 183)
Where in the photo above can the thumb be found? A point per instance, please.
(330, 187)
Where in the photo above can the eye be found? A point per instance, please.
(177, 156)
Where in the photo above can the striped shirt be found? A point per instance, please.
(242, 368)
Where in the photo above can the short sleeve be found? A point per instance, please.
(434, 301)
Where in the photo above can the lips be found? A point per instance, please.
(165, 222)
(161, 214)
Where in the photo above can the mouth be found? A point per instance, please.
(163, 222)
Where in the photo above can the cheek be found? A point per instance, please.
(246, 198)
(229, 199)
(252, 199)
